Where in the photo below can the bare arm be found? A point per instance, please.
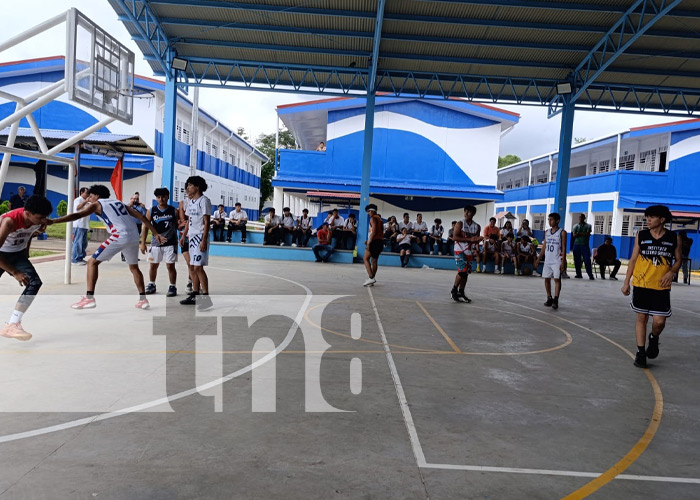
(668, 277)
(146, 223)
(144, 229)
(630, 267)
(85, 212)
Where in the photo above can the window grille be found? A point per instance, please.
(599, 224)
(627, 162)
(538, 222)
(647, 161)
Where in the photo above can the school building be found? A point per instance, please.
(231, 165)
(612, 180)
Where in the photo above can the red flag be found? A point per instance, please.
(116, 180)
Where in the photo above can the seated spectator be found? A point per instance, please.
(302, 232)
(273, 230)
(349, 234)
(525, 229)
(525, 251)
(435, 236)
(406, 223)
(404, 241)
(321, 146)
(288, 225)
(450, 239)
(324, 244)
(507, 228)
(508, 252)
(218, 223)
(606, 255)
(491, 252)
(419, 229)
(237, 220)
(391, 231)
(335, 223)
(491, 229)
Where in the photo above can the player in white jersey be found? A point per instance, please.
(466, 237)
(554, 252)
(198, 210)
(124, 238)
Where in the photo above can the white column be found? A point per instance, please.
(550, 169)
(278, 199)
(616, 217)
(619, 148)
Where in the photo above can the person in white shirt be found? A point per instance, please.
(336, 222)
(349, 233)
(237, 220)
(554, 253)
(302, 233)
(435, 236)
(406, 223)
(288, 224)
(419, 229)
(404, 240)
(198, 208)
(218, 222)
(272, 228)
(80, 230)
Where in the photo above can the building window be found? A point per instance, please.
(178, 130)
(186, 136)
(632, 224)
(603, 166)
(208, 147)
(593, 168)
(647, 161)
(627, 162)
(538, 222)
(599, 224)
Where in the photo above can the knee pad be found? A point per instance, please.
(33, 287)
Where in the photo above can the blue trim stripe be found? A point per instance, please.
(603, 206)
(522, 209)
(581, 206)
(538, 209)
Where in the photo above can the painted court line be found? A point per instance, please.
(439, 329)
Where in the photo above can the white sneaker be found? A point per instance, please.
(369, 282)
(294, 244)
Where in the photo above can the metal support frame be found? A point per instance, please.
(564, 159)
(148, 26)
(169, 124)
(362, 227)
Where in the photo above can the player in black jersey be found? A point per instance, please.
(164, 218)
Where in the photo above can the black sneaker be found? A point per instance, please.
(150, 289)
(640, 360)
(578, 277)
(464, 297)
(172, 291)
(555, 303)
(190, 300)
(653, 349)
(204, 302)
(549, 302)
(454, 294)
(613, 278)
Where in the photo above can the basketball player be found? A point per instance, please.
(198, 210)
(16, 230)
(124, 238)
(554, 252)
(164, 218)
(184, 241)
(374, 244)
(466, 238)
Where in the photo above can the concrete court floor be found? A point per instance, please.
(498, 399)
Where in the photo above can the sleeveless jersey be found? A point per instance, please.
(378, 233)
(196, 210)
(117, 219)
(552, 242)
(18, 239)
(165, 223)
(468, 231)
(655, 259)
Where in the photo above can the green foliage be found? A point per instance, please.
(266, 144)
(504, 161)
(62, 208)
(4, 207)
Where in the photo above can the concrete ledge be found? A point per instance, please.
(272, 252)
(418, 261)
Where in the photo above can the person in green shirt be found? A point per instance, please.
(582, 247)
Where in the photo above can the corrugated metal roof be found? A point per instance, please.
(460, 40)
(120, 143)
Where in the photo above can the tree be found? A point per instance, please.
(266, 144)
(504, 161)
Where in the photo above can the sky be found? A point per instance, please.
(255, 111)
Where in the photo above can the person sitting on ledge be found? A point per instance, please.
(435, 237)
(302, 233)
(272, 228)
(508, 252)
(526, 252)
(324, 244)
(606, 255)
(349, 234)
(404, 241)
(491, 252)
(419, 229)
(391, 231)
(237, 220)
(288, 224)
(218, 223)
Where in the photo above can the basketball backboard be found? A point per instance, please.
(99, 69)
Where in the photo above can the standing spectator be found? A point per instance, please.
(404, 241)
(606, 255)
(582, 250)
(288, 224)
(508, 252)
(135, 204)
(391, 231)
(435, 236)
(18, 200)
(324, 244)
(419, 229)
(524, 230)
(272, 228)
(218, 222)
(466, 237)
(335, 224)
(554, 252)
(237, 220)
(80, 230)
(349, 233)
(526, 252)
(655, 259)
(491, 251)
(373, 245)
(507, 228)
(492, 229)
(450, 238)
(302, 233)
(686, 243)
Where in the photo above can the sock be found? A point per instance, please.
(641, 349)
(90, 295)
(172, 284)
(205, 293)
(142, 296)
(16, 316)
(454, 289)
(151, 283)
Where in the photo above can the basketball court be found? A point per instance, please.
(300, 383)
